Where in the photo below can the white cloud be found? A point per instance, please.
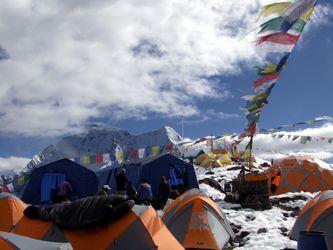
(76, 60)
(12, 164)
(267, 147)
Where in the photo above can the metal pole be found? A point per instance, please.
(182, 117)
(250, 158)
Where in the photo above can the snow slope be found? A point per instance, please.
(264, 230)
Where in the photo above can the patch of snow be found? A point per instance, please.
(267, 229)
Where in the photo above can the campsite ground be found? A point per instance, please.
(267, 229)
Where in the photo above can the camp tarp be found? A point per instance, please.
(316, 215)
(141, 228)
(11, 211)
(197, 222)
(174, 169)
(9, 241)
(84, 181)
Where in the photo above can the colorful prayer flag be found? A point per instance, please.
(99, 158)
(275, 8)
(155, 150)
(85, 160)
(92, 159)
(170, 147)
(279, 38)
(141, 153)
(134, 154)
(120, 156)
(106, 158)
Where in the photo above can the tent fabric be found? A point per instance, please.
(11, 211)
(174, 169)
(84, 181)
(213, 160)
(197, 222)
(316, 215)
(9, 241)
(141, 228)
(50, 181)
(299, 173)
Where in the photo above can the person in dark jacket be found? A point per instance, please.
(82, 213)
(145, 194)
(130, 191)
(121, 181)
(164, 191)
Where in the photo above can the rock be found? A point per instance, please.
(283, 229)
(285, 215)
(234, 168)
(262, 230)
(250, 217)
(243, 234)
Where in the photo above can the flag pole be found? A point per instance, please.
(250, 145)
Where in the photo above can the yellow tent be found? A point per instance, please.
(213, 160)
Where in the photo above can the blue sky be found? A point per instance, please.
(210, 106)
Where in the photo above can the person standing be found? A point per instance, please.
(130, 191)
(121, 182)
(65, 191)
(164, 191)
(145, 194)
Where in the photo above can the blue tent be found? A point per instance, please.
(46, 178)
(180, 174)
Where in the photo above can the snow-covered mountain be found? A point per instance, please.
(101, 140)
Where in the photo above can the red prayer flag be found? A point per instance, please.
(280, 38)
(169, 147)
(265, 79)
(99, 158)
(134, 153)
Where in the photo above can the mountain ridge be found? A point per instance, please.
(100, 140)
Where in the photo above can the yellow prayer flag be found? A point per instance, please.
(155, 150)
(308, 14)
(275, 8)
(85, 160)
(21, 180)
(269, 69)
(120, 156)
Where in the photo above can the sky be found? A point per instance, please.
(141, 65)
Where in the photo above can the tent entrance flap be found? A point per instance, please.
(50, 182)
(177, 174)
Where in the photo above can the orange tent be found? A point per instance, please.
(141, 228)
(298, 173)
(11, 211)
(316, 215)
(197, 222)
(9, 241)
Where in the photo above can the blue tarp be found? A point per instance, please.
(84, 181)
(174, 169)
